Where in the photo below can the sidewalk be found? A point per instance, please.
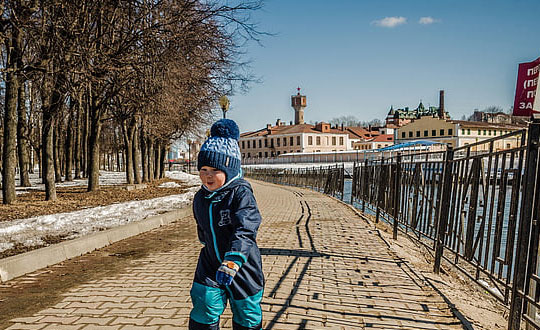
(325, 269)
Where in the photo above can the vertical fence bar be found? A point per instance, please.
(380, 190)
(443, 211)
(397, 186)
(516, 304)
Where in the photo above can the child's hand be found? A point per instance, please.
(226, 272)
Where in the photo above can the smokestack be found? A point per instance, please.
(442, 112)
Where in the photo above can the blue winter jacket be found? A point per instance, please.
(227, 224)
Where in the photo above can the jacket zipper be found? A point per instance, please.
(213, 232)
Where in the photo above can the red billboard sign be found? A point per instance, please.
(526, 101)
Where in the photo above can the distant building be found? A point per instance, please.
(273, 141)
(498, 118)
(456, 133)
(376, 142)
(400, 117)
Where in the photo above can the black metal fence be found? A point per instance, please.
(476, 206)
(326, 179)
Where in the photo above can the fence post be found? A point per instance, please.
(342, 182)
(525, 221)
(380, 190)
(364, 184)
(397, 191)
(443, 211)
(353, 184)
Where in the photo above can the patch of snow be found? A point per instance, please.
(491, 289)
(31, 231)
(169, 185)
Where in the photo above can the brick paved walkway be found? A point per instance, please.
(325, 268)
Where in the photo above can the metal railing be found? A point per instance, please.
(326, 179)
(477, 210)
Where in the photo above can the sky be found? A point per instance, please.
(359, 57)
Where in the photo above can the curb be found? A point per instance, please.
(28, 262)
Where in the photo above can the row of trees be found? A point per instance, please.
(83, 79)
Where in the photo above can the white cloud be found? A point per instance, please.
(390, 22)
(427, 20)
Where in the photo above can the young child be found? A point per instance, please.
(227, 216)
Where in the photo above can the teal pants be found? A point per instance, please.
(209, 303)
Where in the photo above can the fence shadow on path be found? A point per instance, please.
(369, 290)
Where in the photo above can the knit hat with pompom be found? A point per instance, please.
(221, 149)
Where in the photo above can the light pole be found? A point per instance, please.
(224, 104)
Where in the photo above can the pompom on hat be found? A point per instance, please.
(221, 149)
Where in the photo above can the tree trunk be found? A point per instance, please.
(47, 155)
(151, 157)
(78, 142)
(69, 146)
(56, 155)
(127, 130)
(163, 155)
(157, 165)
(9, 152)
(85, 140)
(136, 155)
(22, 138)
(144, 153)
(93, 146)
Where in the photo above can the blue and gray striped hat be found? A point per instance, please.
(221, 149)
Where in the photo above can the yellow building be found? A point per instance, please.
(457, 133)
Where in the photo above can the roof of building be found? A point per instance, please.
(291, 129)
(384, 138)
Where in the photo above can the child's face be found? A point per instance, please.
(212, 178)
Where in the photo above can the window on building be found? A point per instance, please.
(265, 144)
(334, 140)
(310, 140)
(278, 152)
(462, 131)
(249, 155)
(298, 140)
(410, 134)
(450, 132)
(489, 132)
(284, 141)
(378, 146)
(508, 146)
(249, 144)
(278, 141)
(243, 145)
(318, 140)
(341, 141)
(441, 132)
(469, 131)
(260, 154)
(266, 154)
(417, 133)
(291, 141)
(484, 132)
(271, 144)
(433, 132)
(402, 135)
(479, 132)
(425, 133)
(260, 144)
